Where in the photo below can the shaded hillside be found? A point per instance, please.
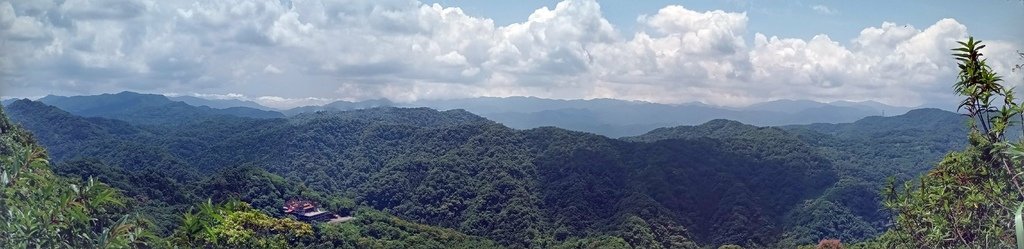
(618, 118)
(42, 210)
(140, 208)
(539, 187)
(875, 148)
(864, 153)
(67, 136)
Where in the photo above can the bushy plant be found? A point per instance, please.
(41, 210)
(235, 224)
(967, 200)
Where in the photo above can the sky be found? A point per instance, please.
(287, 53)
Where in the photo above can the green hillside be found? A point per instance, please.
(864, 155)
(149, 210)
(538, 187)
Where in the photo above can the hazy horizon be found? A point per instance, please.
(328, 101)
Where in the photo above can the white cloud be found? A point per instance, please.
(221, 96)
(311, 51)
(268, 101)
(271, 69)
(893, 64)
(825, 10)
(285, 103)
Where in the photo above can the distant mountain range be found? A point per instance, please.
(619, 118)
(797, 106)
(220, 103)
(147, 109)
(609, 117)
(340, 106)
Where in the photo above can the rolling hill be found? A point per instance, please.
(457, 170)
(618, 118)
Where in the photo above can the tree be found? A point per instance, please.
(1019, 67)
(966, 200)
(41, 210)
(235, 224)
(638, 233)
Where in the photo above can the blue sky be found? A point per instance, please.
(301, 52)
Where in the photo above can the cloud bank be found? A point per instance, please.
(303, 51)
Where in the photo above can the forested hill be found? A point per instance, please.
(609, 117)
(618, 118)
(877, 147)
(927, 119)
(864, 154)
(46, 210)
(538, 187)
(149, 109)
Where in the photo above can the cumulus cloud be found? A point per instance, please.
(303, 52)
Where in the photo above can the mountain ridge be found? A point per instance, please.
(609, 117)
(220, 103)
(150, 109)
(413, 162)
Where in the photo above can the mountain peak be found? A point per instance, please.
(926, 111)
(140, 95)
(723, 123)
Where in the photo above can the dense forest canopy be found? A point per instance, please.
(677, 187)
(147, 210)
(967, 199)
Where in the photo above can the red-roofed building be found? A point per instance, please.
(307, 211)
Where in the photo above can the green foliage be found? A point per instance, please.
(451, 169)
(719, 183)
(968, 198)
(263, 190)
(818, 219)
(1018, 226)
(236, 225)
(604, 241)
(41, 210)
(638, 233)
(864, 154)
(374, 229)
(963, 201)
(1019, 67)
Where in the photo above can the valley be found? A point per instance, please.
(686, 186)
